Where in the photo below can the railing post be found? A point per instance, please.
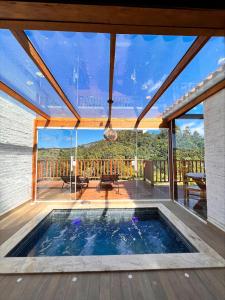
(172, 161)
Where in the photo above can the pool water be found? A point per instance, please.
(102, 232)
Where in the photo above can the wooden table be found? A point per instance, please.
(198, 178)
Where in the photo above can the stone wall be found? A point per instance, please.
(16, 141)
(215, 157)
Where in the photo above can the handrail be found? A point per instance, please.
(155, 171)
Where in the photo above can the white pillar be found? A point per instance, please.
(215, 157)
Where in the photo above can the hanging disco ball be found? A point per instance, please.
(110, 135)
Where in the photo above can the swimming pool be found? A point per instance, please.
(92, 232)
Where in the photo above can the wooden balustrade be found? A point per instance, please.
(152, 170)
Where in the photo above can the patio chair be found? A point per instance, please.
(196, 190)
(81, 182)
(109, 180)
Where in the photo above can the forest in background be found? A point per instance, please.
(146, 145)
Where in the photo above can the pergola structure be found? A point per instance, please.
(110, 25)
(76, 119)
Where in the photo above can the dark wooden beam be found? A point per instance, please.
(208, 93)
(33, 54)
(188, 56)
(192, 116)
(5, 88)
(113, 19)
(172, 161)
(108, 28)
(34, 161)
(111, 75)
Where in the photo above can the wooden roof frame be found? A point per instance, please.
(5, 88)
(100, 123)
(18, 16)
(36, 58)
(111, 18)
(185, 60)
(208, 93)
(111, 75)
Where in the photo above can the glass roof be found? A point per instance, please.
(20, 73)
(209, 58)
(80, 64)
(142, 63)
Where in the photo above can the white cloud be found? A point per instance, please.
(29, 82)
(190, 125)
(194, 127)
(147, 84)
(199, 129)
(221, 61)
(123, 44)
(151, 86)
(133, 76)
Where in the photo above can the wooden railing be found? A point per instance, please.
(152, 170)
(92, 168)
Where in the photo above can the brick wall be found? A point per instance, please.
(215, 157)
(16, 140)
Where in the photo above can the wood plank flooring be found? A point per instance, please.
(205, 284)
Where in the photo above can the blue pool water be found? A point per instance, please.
(102, 232)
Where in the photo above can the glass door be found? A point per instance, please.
(152, 164)
(56, 165)
(107, 168)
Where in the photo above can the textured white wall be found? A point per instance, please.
(16, 140)
(215, 157)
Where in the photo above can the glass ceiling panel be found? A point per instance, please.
(80, 64)
(209, 58)
(142, 63)
(20, 73)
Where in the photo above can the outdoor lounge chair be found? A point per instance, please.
(81, 182)
(109, 181)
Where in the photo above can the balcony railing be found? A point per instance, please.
(156, 171)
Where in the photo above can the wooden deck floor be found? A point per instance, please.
(130, 189)
(202, 284)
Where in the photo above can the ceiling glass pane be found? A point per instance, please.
(80, 64)
(20, 73)
(209, 59)
(142, 63)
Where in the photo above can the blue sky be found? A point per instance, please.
(66, 138)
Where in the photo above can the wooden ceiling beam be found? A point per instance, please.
(100, 123)
(5, 88)
(185, 60)
(113, 19)
(33, 54)
(208, 93)
(109, 28)
(111, 75)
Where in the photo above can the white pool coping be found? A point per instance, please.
(205, 258)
